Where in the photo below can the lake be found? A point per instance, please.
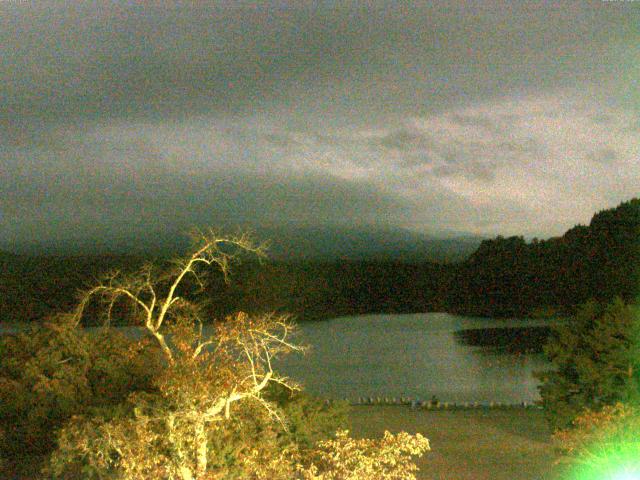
(416, 356)
(410, 355)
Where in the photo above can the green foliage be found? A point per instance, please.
(601, 445)
(52, 372)
(510, 277)
(596, 362)
(180, 403)
(310, 419)
(252, 439)
(345, 458)
(128, 442)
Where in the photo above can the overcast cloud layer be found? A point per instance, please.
(489, 118)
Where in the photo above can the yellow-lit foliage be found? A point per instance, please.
(202, 378)
(602, 445)
(346, 458)
(168, 433)
(56, 370)
(204, 407)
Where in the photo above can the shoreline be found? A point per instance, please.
(436, 405)
(471, 444)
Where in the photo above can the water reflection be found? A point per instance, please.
(415, 356)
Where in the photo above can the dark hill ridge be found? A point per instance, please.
(353, 271)
(510, 277)
(313, 273)
(287, 243)
(35, 286)
(355, 244)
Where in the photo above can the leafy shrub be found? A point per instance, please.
(54, 371)
(345, 458)
(602, 445)
(596, 362)
(43, 381)
(308, 419)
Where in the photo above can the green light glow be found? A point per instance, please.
(626, 476)
(621, 462)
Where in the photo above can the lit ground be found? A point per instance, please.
(476, 444)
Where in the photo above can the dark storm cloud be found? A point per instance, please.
(103, 204)
(122, 60)
(426, 115)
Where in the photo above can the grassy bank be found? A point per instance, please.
(475, 444)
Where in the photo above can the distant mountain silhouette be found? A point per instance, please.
(340, 243)
(323, 243)
(322, 272)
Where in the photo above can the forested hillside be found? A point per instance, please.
(508, 276)
(503, 277)
(36, 286)
(314, 290)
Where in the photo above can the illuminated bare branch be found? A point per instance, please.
(205, 375)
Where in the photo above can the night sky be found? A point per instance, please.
(486, 118)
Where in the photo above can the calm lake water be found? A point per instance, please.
(416, 355)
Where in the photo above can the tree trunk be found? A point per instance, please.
(201, 449)
(185, 473)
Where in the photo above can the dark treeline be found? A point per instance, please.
(503, 277)
(36, 286)
(510, 277)
(314, 290)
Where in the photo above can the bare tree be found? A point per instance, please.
(203, 375)
(164, 432)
